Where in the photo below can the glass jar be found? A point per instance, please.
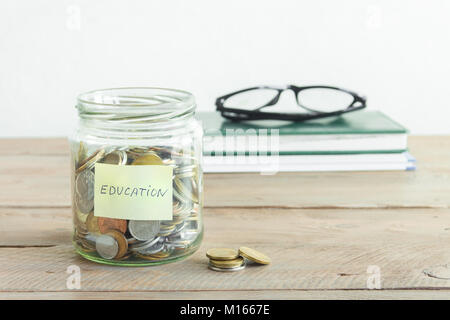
(137, 176)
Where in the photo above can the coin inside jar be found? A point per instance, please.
(143, 230)
(84, 191)
(148, 159)
(106, 224)
(117, 157)
(121, 242)
(81, 217)
(154, 257)
(90, 161)
(153, 249)
(130, 216)
(140, 246)
(81, 154)
(92, 223)
(106, 246)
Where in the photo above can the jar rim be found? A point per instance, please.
(81, 97)
(135, 101)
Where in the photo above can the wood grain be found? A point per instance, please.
(310, 249)
(35, 181)
(322, 231)
(34, 146)
(38, 178)
(234, 295)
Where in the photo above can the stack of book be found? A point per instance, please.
(357, 141)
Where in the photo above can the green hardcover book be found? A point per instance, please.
(355, 132)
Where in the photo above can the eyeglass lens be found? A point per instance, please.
(315, 99)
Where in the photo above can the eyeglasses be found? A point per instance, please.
(317, 101)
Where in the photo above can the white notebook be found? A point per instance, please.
(310, 163)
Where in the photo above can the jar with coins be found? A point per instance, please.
(136, 176)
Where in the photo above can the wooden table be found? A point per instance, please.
(322, 230)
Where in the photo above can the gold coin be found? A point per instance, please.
(168, 226)
(125, 257)
(121, 241)
(92, 223)
(222, 254)
(227, 263)
(253, 255)
(79, 220)
(81, 217)
(148, 159)
(138, 151)
(86, 246)
(153, 257)
(80, 231)
(81, 152)
(161, 254)
(88, 162)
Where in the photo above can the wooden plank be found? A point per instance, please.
(40, 180)
(317, 253)
(35, 181)
(235, 295)
(34, 146)
(311, 249)
(29, 228)
(428, 186)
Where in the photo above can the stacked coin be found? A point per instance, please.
(226, 259)
(137, 240)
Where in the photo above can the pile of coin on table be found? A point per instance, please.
(226, 259)
(137, 240)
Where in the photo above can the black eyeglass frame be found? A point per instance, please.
(240, 114)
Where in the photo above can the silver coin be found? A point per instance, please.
(91, 238)
(192, 225)
(182, 195)
(242, 266)
(117, 157)
(166, 229)
(183, 190)
(184, 160)
(182, 209)
(143, 230)
(185, 235)
(185, 171)
(165, 233)
(84, 191)
(106, 246)
(175, 237)
(176, 231)
(178, 245)
(143, 245)
(180, 226)
(155, 248)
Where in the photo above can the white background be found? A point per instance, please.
(397, 53)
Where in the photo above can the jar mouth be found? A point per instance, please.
(132, 104)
